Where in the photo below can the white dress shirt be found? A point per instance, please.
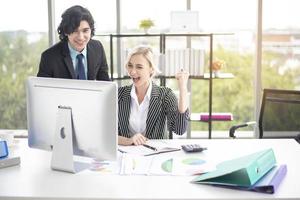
(139, 112)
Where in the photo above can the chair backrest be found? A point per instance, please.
(279, 114)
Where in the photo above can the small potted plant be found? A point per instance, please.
(146, 24)
(217, 65)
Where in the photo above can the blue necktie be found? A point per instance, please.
(80, 67)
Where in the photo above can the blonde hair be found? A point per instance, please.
(147, 53)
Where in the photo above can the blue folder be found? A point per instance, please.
(3, 149)
(268, 183)
(246, 172)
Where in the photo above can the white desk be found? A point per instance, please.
(34, 179)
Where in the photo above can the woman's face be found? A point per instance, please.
(139, 70)
(80, 37)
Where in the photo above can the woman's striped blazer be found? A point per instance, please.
(163, 107)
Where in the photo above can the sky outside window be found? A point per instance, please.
(24, 15)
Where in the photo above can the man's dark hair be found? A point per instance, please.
(71, 19)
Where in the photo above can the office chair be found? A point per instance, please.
(279, 115)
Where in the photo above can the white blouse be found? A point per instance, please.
(139, 112)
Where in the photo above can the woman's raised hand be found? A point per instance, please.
(182, 79)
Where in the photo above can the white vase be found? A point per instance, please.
(217, 73)
(146, 30)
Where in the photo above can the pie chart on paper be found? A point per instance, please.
(167, 165)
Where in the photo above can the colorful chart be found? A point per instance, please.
(101, 166)
(193, 161)
(101, 169)
(167, 165)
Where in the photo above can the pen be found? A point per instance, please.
(150, 147)
(122, 151)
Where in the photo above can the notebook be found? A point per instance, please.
(152, 147)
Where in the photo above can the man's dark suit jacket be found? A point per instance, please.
(56, 62)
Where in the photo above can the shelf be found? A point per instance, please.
(221, 76)
(165, 34)
(162, 50)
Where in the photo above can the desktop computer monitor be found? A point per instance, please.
(72, 117)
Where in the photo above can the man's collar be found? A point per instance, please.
(74, 52)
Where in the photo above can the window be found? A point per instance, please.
(281, 44)
(103, 12)
(133, 11)
(237, 50)
(23, 36)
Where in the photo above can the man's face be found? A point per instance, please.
(81, 36)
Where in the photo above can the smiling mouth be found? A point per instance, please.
(135, 79)
(80, 43)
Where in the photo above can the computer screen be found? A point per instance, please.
(66, 115)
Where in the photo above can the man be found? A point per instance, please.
(76, 56)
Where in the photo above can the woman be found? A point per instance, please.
(144, 106)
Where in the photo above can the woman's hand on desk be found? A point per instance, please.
(138, 139)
